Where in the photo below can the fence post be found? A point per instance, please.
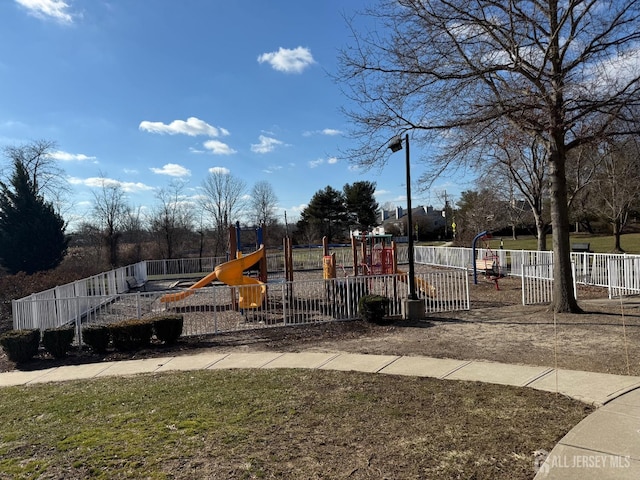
(284, 303)
(522, 276)
(78, 322)
(139, 310)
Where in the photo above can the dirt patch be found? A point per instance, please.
(606, 338)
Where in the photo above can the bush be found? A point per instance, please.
(57, 341)
(168, 328)
(96, 337)
(373, 308)
(21, 345)
(131, 334)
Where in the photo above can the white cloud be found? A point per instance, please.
(218, 148)
(266, 145)
(272, 169)
(378, 193)
(55, 9)
(192, 126)
(331, 132)
(320, 161)
(325, 131)
(219, 171)
(287, 60)
(173, 170)
(299, 208)
(99, 182)
(69, 157)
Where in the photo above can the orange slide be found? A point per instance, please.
(251, 291)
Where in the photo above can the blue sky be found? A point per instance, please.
(145, 92)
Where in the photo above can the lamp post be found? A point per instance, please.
(395, 145)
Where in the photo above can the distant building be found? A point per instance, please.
(429, 219)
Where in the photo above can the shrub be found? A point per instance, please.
(131, 334)
(21, 345)
(96, 337)
(373, 308)
(168, 328)
(57, 341)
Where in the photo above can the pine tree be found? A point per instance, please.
(32, 234)
(361, 204)
(326, 215)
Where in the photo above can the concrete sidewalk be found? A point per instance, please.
(604, 445)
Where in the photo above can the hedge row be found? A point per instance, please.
(22, 345)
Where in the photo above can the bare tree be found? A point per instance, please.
(134, 232)
(616, 190)
(109, 211)
(457, 73)
(172, 220)
(522, 160)
(479, 211)
(263, 203)
(223, 200)
(43, 169)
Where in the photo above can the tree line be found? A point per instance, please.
(34, 237)
(602, 182)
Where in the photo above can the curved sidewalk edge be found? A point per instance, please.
(605, 445)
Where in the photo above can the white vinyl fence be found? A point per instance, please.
(85, 298)
(619, 273)
(624, 275)
(214, 310)
(59, 306)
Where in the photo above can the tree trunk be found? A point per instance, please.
(541, 230)
(617, 232)
(563, 295)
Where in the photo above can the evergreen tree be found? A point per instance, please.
(361, 204)
(325, 215)
(32, 234)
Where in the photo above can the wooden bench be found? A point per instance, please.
(581, 247)
(133, 283)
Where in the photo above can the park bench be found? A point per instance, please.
(133, 283)
(581, 247)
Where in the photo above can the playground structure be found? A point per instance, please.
(488, 263)
(377, 257)
(250, 291)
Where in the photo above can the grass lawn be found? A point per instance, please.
(630, 242)
(289, 424)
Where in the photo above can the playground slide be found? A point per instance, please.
(251, 292)
(423, 285)
(203, 282)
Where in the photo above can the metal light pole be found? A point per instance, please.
(394, 145)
